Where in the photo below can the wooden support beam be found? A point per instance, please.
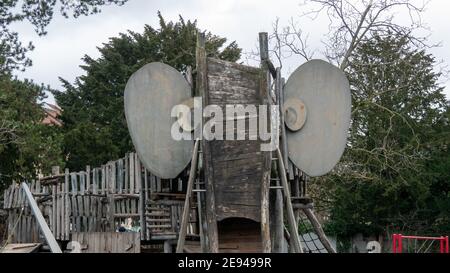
(297, 247)
(167, 246)
(264, 54)
(48, 235)
(211, 236)
(187, 202)
(266, 99)
(55, 172)
(66, 205)
(141, 183)
(319, 231)
(277, 219)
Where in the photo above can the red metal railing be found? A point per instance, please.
(397, 242)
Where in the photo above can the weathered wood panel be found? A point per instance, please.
(238, 166)
(108, 242)
(118, 194)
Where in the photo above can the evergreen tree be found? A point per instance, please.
(383, 182)
(94, 122)
(26, 145)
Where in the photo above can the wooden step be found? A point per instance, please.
(159, 220)
(126, 215)
(157, 214)
(158, 209)
(159, 226)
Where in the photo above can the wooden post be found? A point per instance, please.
(277, 218)
(49, 237)
(187, 201)
(264, 57)
(318, 229)
(67, 205)
(167, 246)
(55, 171)
(265, 187)
(297, 247)
(283, 139)
(201, 218)
(202, 82)
(141, 200)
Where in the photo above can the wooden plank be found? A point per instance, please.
(58, 212)
(113, 177)
(95, 181)
(110, 213)
(50, 239)
(264, 94)
(297, 247)
(158, 184)
(79, 197)
(202, 86)
(103, 179)
(141, 210)
(145, 198)
(138, 175)
(82, 183)
(73, 182)
(88, 179)
(54, 209)
(236, 169)
(67, 205)
(21, 248)
(120, 173)
(90, 213)
(277, 219)
(146, 185)
(127, 171)
(188, 201)
(132, 172)
(63, 211)
(125, 214)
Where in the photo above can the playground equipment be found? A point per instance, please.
(398, 244)
(240, 201)
(192, 192)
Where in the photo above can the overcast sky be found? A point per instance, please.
(59, 53)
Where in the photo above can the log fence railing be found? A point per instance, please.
(118, 195)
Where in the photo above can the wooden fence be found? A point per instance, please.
(117, 194)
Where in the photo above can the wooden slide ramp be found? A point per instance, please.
(237, 172)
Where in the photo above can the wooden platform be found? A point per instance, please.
(21, 248)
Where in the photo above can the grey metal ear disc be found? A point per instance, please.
(150, 95)
(317, 134)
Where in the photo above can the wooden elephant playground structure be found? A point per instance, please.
(121, 207)
(198, 194)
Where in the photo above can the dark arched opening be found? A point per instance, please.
(239, 235)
